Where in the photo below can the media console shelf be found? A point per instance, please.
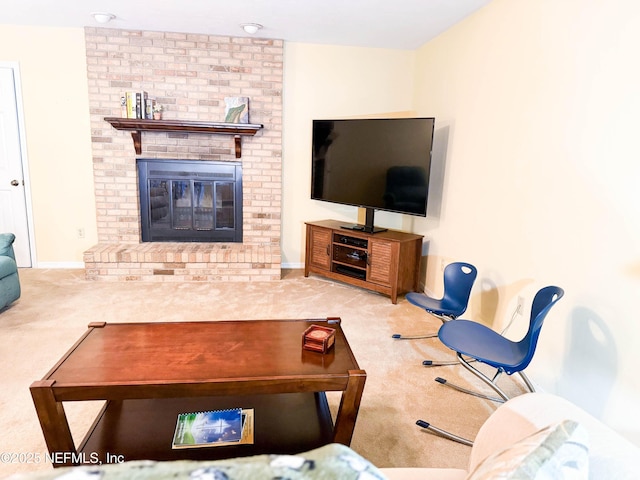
(386, 262)
(137, 126)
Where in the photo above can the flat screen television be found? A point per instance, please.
(375, 164)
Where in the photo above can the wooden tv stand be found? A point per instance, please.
(386, 262)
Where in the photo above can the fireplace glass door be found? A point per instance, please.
(193, 204)
(190, 204)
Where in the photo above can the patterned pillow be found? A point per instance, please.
(558, 451)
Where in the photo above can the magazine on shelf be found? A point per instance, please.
(236, 110)
(214, 428)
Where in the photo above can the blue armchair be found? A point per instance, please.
(9, 283)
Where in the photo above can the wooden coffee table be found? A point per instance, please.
(148, 373)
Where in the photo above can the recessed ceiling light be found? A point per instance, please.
(251, 28)
(103, 17)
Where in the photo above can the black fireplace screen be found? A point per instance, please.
(190, 200)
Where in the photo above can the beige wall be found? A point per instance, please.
(323, 81)
(331, 81)
(56, 115)
(535, 157)
(538, 101)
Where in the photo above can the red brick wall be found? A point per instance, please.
(190, 74)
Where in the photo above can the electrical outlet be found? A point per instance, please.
(520, 306)
(81, 233)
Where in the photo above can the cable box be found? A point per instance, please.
(351, 241)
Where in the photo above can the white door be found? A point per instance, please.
(13, 205)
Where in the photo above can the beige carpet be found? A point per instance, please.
(57, 305)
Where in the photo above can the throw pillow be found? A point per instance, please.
(6, 240)
(558, 451)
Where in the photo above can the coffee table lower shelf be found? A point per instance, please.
(142, 429)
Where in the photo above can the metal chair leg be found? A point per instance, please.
(437, 363)
(429, 363)
(444, 363)
(527, 382)
(442, 318)
(490, 382)
(443, 433)
(399, 336)
(443, 381)
(483, 377)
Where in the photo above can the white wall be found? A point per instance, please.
(324, 82)
(537, 103)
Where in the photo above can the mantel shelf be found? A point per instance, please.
(137, 126)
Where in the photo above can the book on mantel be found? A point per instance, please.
(214, 428)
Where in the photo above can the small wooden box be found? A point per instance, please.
(318, 339)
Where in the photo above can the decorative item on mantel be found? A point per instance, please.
(157, 111)
(236, 110)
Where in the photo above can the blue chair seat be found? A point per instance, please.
(485, 345)
(444, 306)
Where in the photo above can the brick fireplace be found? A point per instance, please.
(190, 74)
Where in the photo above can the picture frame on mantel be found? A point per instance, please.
(236, 110)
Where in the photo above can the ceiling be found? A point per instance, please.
(397, 24)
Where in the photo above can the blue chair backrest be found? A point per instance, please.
(458, 281)
(542, 303)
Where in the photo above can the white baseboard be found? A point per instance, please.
(60, 265)
(292, 266)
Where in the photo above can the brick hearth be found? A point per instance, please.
(190, 74)
(180, 262)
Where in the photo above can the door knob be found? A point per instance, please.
(15, 183)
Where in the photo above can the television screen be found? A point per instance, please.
(378, 164)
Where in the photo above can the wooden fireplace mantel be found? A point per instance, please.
(137, 126)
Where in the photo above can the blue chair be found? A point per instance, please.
(485, 345)
(9, 283)
(458, 281)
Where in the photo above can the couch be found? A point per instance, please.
(533, 436)
(9, 282)
(519, 429)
